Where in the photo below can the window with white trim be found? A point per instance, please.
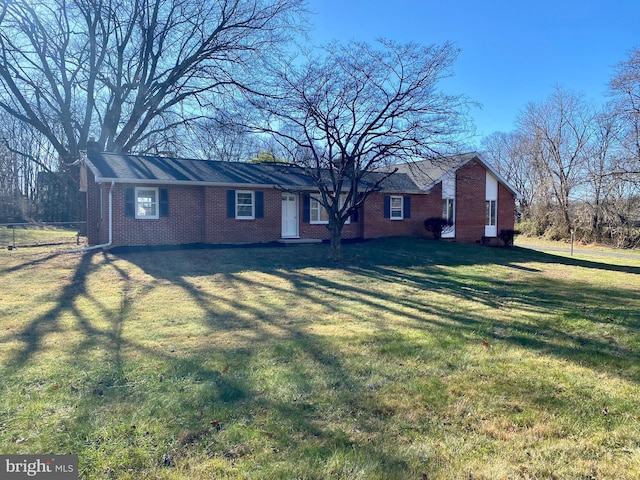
(245, 205)
(396, 206)
(319, 215)
(317, 212)
(448, 209)
(146, 206)
(491, 213)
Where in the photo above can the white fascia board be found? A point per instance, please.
(493, 171)
(499, 177)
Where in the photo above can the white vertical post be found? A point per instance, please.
(572, 242)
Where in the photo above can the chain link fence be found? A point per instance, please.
(23, 235)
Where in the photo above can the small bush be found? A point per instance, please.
(507, 235)
(531, 228)
(436, 225)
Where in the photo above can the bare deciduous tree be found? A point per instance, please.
(344, 115)
(625, 88)
(559, 132)
(25, 156)
(219, 138)
(131, 70)
(510, 154)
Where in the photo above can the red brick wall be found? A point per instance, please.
(93, 210)
(470, 202)
(199, 215)
(506, 208)
(422, 207)
(183, 225)
(220, 229)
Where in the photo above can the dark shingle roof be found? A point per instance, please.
(123, 168)
(427, 173)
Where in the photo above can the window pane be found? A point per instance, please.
(491, 212)
(314, 210)
(147, 203)
(244, 204)
(447, 209)
(244, 210)
(324, 216)
(318, 212)
(244, 198)
(396, 207)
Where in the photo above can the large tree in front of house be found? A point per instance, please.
(356, 109)
(134, 73)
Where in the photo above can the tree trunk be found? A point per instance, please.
(335, 229)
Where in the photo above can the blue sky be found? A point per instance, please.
(512, 51)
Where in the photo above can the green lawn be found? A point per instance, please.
(410, 359)
(35, 235)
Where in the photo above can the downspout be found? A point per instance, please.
(108, 244)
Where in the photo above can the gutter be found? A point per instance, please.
(108, 244)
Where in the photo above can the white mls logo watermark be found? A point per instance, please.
(49, 467)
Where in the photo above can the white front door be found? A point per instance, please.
(289, 215)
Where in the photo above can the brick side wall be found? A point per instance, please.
(422, 207)
(103, 213)
(97, 218)
(93, 210)
(470, 202)
(199, 215)
(183, 225)
(506, 208)
(221, 229)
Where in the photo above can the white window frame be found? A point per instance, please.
(399, 211)
(154, 203)
(316, 208)
(252, 205)
(491, 213)
(449, 209)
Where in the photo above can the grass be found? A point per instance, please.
(524, 241)
(409, 359)
(37, 235)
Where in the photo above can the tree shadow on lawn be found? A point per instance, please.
(203, 400)
(555, 300)
(419, 269)
(34, 332)
(530, 255)
(203, 392)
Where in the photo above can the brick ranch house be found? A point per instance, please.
(147, 200)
